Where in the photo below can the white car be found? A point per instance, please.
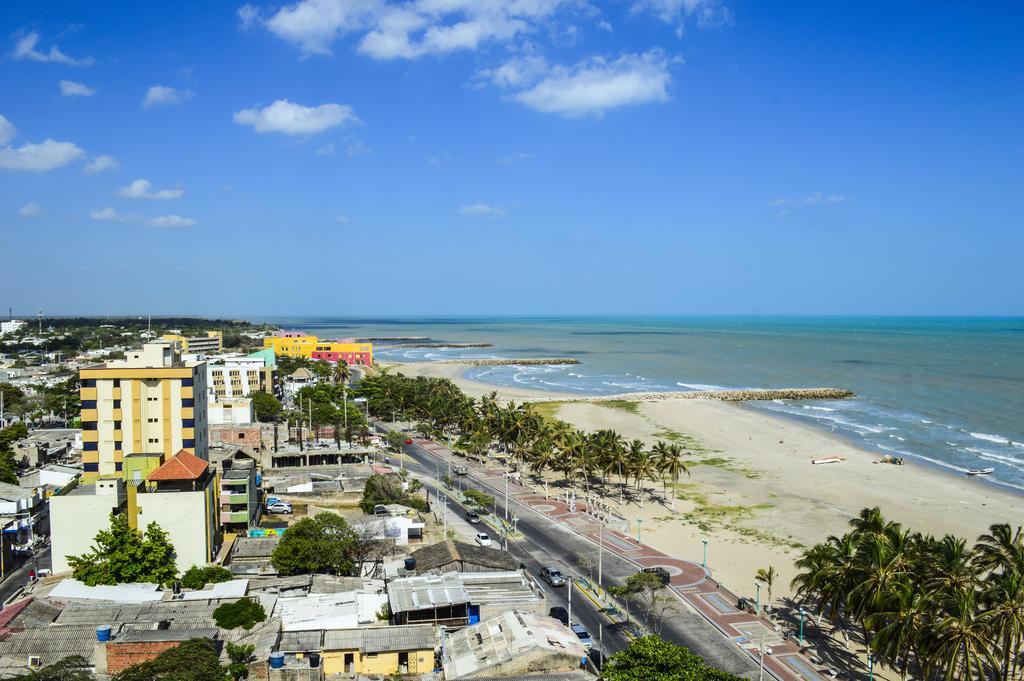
(483, 539)
(279, 507)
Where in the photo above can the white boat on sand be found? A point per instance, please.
(980, 471)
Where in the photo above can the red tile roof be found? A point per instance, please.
(182, 466)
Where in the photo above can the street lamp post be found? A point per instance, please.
(639, 520)
(801, 627)
(757, 604)
(600, 554)
(704, 563)
(871, 666)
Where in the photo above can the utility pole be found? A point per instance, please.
(600, 555)
(570, 601)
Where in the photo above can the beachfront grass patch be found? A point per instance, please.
(547, 410)
(625, 405)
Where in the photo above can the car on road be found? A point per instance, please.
(408, 441)
(483, 539)
(279, 507)
(560, 614)
(583, 635)
(472, 517)
(552, 576)
(460, 470)
(659, 572)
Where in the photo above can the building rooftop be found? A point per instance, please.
(51, 644)
(254, 548)
(505, 637)
(155, 635)
(426, 591)
(442, 554)
(181, 466)
(374, 640)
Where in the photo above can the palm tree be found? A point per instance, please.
(767, 577)
(1004, 616)
(958, 642)
(671, 466)
(1001, 549)
(898, 624)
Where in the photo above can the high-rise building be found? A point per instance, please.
(151, 404)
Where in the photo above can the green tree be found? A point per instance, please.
(267, 407)
(122, 554)
(197, 577)
(767, 577)
(239, 656)
(387, 489)
(245, 613)
(648, 591)
(194, 660)
(74, 668)
(651, 659)
(324, 543)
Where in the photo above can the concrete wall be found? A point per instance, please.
(420, 661)
(185, 517)
(74, 521)
(120, 656)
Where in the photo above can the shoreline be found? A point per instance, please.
(752, 490)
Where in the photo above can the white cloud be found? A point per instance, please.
(143, 189)
(517, 156)
(47, 155)
(111, 214)
(326, 150)
(173, 221)
(815, 199)
(596, 85)
(162, 95)
(605, 26)
(404, 30)
(25, 48)
(294, 119)
(30, 210)
(100, 164)
(70, 88)
(481, 210)
(7, 130)
(516, 72)
(707, 13)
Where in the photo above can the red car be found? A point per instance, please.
(408, 442)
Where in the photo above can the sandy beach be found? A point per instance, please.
(753, 492)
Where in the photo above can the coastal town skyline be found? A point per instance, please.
(646, 157)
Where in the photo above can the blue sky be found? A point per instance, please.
(530, 156)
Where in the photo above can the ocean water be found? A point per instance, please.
(949, 391)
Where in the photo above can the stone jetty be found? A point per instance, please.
(384, 339)
(733, 395)
(442, 345)
(527, 361)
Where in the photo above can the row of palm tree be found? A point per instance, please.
(931, 607)
(527, 439)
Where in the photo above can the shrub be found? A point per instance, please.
(198, 577)
(245, 613)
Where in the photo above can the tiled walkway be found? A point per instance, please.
(688, 579)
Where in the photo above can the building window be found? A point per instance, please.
(88, 425)
(117, 425)
(188, 423)
(189, 444)
(88, 404)
(186, 382)
(151, 420)
(90, 446)
(117, 382)
(117, 404)
(91, 467)
(88, 382)
(117, 445)
(188, 402)
(118, 465)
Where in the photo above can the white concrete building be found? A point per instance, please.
(11, 326)
(76, 517)
(228, 412)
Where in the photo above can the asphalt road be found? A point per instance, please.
(545, 541)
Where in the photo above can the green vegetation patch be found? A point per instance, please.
(625, 405)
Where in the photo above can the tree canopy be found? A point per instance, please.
(324, 543)
(197, 577)
(245, 613)
(194, 660)
(387, 489)
(651, 659)
(266, 406)
(122, 554)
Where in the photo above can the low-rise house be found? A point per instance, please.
(136, 646)
(400, 529)
(251, 555)
(341, 610)
(368, 651)
(512, 644)
(239, 495)
(458, 556)
(77, 516)
(52, 477)
(457, 599)
(230, 412)
(44, 446)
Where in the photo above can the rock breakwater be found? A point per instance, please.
(527, 361)
(733, 395)
(442, 345)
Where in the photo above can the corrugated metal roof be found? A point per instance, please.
(301, 641)
(382, 639)
(426, 591)
(254, 547)
(50, 643)
(148, 635)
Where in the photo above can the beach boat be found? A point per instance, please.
(827, 459)
(980, 471)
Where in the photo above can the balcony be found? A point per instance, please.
(228, 498)
(234, 516)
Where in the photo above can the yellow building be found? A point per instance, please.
(380, 651)
(293, 344)
(151, 403)
(213, 341)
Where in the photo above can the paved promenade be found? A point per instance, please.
(687, 579)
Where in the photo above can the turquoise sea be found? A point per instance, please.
(946, 390)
